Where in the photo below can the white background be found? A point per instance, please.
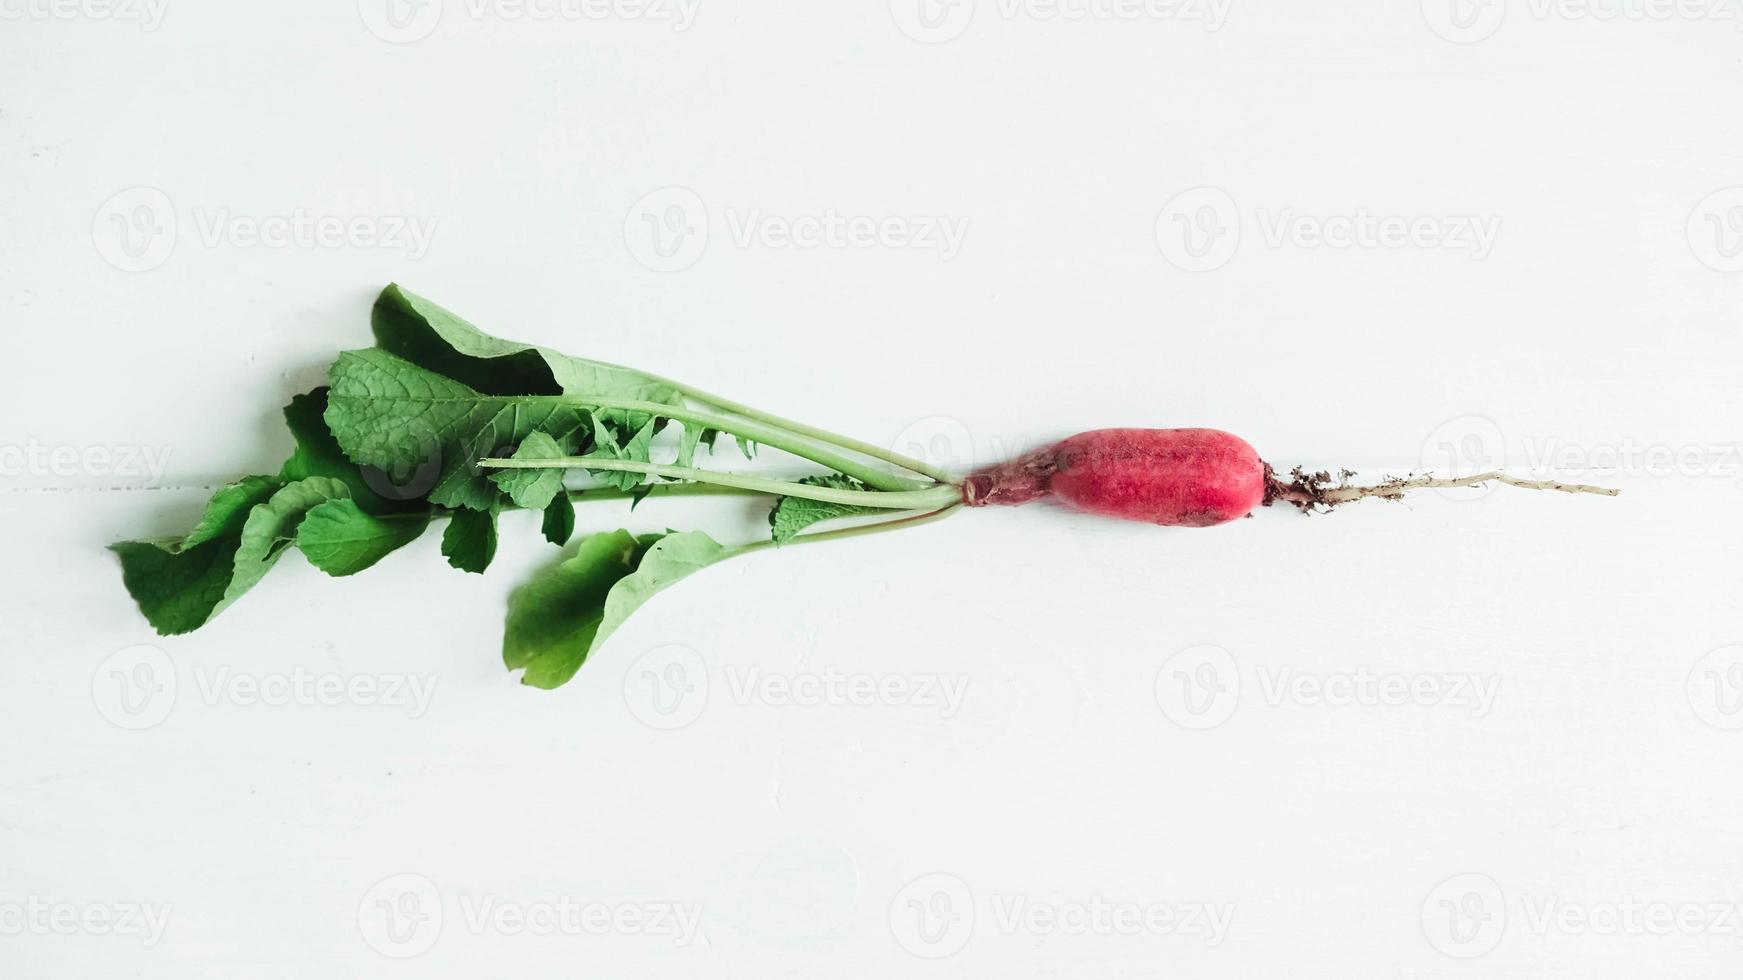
(1131, 732)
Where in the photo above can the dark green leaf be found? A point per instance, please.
(470, 540)
(427, 335)
(179, 584)
(559, 523)
(552, 620)
(559, 619)
(318, 454)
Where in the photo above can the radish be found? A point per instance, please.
(441, 422)
(1181, 478)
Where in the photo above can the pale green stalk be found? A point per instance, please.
(800, 428)
(757, 432)
(660, 490)
(934, 496)
(853, 532)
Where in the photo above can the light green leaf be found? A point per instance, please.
(470, 540)
(180, 584)
(340, 538)
(562, 617)
(534, 489)
(673, 557)
(687, 444)
(272, 527)
(227, 511)
(638, 448)
(794, 514)
(428, 335)
(695, 437)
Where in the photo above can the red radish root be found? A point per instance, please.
(1184, 478)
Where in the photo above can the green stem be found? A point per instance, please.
(800, 428)
(754, 431)
(846, 442)
(934, 496)
(854, 532)
(659, 490)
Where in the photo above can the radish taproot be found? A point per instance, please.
(441, 421)
(1182, 478)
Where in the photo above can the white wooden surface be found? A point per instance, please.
(1048, 781)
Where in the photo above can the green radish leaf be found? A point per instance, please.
(176, 591)
(606, 445)
(794, 514)
(340, 538)
(553, 620)
(318, 454)
(470, 540)
(748, 448)
(559, 619)
(534, 489)
(687, 444)
(227, 511)
(625, 424)
(695, 437)
(559, 522)
(180, 584)
(272, 528)
(389, 413)
(425, 334)
(673, 557)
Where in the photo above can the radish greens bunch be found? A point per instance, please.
(442, 422)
